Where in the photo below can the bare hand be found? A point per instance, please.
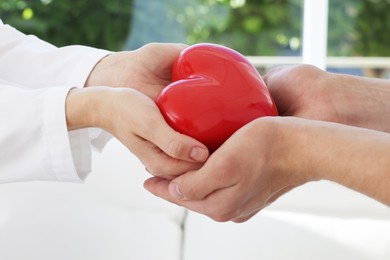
(270, 156)
(135, 120)
(238, 180)
(147, 69)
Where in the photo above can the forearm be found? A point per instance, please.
(90, 107)
(354, 157)
(362, 163)
(361, 101)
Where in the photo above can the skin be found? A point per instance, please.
(308, 92)
(272, 155)
(147, 69)
(118, 97)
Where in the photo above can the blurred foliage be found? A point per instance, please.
(253, 27)
(98, 23)
(374, 27)
(359, 28)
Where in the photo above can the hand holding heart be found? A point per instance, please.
(240, 178)
(215, 91)
(119, 97)
(271, 155)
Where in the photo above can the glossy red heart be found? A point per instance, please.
(214, 92)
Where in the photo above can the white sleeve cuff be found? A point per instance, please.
(99, 138)
(35, 139)
(81, 153)
(70, 153)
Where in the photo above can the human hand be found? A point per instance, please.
(147, 69)
(308, 92)
(239, 179)
(135, 120)
(270, 156)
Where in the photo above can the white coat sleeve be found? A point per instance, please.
(34, 140)
(42, 69)
(29, 61)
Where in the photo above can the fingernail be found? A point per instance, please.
(174, 190)
(198, 154)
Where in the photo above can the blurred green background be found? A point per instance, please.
(253, 27)
(98, 23)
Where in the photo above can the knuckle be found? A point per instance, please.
(175, 148)
(152, 169)
(165, 169)
(148, 46)
(159, 171)
(224, 169)
(189, 192)
(222, 164)
(158, 168)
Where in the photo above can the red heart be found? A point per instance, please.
(215, 91)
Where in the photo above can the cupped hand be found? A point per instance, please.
(147, 69)
(135, 120)
(270, 156)
(239, 179)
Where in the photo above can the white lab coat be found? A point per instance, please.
(35, 78)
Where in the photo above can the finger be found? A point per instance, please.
(177, 145)
(170, 50)
(165, 54)
(276, 80)
(160, 188)
(158, 163)
(153, 128)
(196, 185)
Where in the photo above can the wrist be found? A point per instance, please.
(297, 145)
(288, 148)
(85, 107)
